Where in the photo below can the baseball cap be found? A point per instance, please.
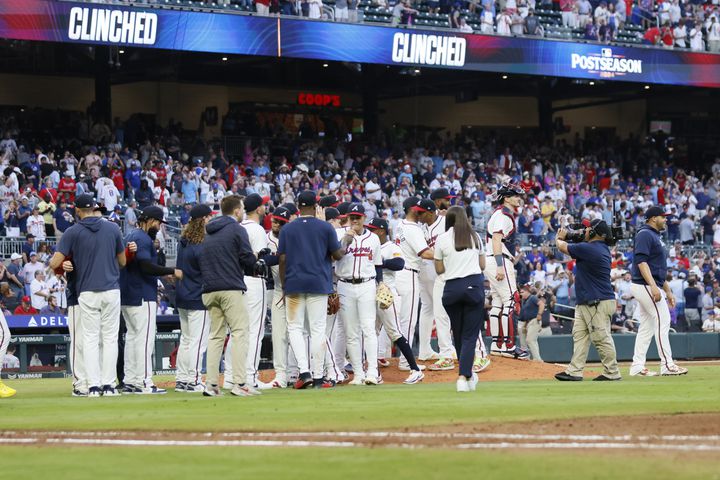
(329, 201)
(85, 201)
(331, 213)
(410, 202)
(356, 209)
(425, 205)
(152, 213)
(281, 214)
(15, 256)
(441, 193)
(33, 254)
(654, 212)
(306, 198)
(343, 208)
(200, 211)
(29, 235)
(253, 201)
(26, 299)
(290, 208)
(378, 224)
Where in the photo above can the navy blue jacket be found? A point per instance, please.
(649, 249)
(226, 252)
(189, 289)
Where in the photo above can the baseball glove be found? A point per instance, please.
(384, 296)
(333, 305)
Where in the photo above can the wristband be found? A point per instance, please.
(499, 260)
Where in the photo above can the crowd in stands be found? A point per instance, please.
(690, 24)
(134, 164)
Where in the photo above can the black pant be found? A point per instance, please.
(464, 302)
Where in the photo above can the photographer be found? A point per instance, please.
(595, 298)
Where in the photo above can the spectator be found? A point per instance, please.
(504, 22)
(487, 20)
(38, 291)
(532, 25)
(10, 361)
(697, 44)
(463, 27)
(584, 9)
(711, 324)
(713, 34)
(25, 307)
(708, 226)
(51, 308)
(692, 296)
(687, 230)
(36, 224)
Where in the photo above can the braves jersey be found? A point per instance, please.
(272, 244)
(412, 243)
(502, 221)
(361, 257)
(256, 234)
(389, 251)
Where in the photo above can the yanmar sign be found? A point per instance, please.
(112, 26)
(606, 64)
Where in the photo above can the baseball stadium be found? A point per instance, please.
(360, 238)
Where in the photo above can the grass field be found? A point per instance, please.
(46, 405)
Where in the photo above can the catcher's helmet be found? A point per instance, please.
(509, 189)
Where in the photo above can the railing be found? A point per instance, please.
(10, 245)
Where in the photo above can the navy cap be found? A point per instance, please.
(200, 211)
(253, 201)
(654, 212)
(409, 203)
(425, 205)
(378, 223)
(152, 213)
(329, 201)
(356, 209)
(343, 208)
(331, 213)
(306, 198)
(85, 201)
(441, 193)
(290, 207)
(281, 214)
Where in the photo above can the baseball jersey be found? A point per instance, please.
(388, 251)
(503, 221)
(433, 230)
(256, 234)
(135, 286)
(412, 243)
(361, 257)
(272, 243)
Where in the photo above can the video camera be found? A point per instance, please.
(576, 234)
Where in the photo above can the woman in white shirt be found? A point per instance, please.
(460, 258)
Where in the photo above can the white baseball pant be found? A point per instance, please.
(357, 302)
(100, 318)
(654, 321)
(407, 284)
(503, 302)
(195, 331)
(139, 343)
(427, 309)
(284, 361)
(337, 338)
(257, 312)
(314, 306)
(388, 320)
(333, 369)
(77, 362)
(4, 338)
(442, 321)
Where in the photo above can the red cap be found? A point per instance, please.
(26, 299)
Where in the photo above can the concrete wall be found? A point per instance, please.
(625, 117)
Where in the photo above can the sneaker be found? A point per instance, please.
(380, 379)
(517, 353)
(348, 368)
(109, 391)
(383, 363)
(304, 381)
(228, 385)
(153, 390)
(462, 385)
(323, 383)
(5, 391)
(357, 381)
(245, 391)
(79, 393)
(498, 353)
(442, 364)
(263, 386)
(674, 370)
(472, 383)
(604, 378)
(404, 367)
(130, 390)
(180, 386)
(566, 377)
(643, 373)
(416, 376)
(279, 384)
(480, 364)
(194, 388)
(94, 392)
(426, 358)
(372, 380)
(212, 391)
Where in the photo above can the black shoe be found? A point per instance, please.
(603, 378)
(323, 383)
(565, 377)
(304, 381)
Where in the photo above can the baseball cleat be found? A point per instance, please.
(517, 353)
(372, 380)
(109, 391)
(426, 358)
(416, 376)
(383, 363)
(566, 377)
(194, 388)
(643, 373)
(304, 381)
(674, 370)
(94, 392)
(357, 381)
(180, 386)
(462, 385)
(212, 391)
(472, 383)
(130, 390)
(79, 393)
(323, 383)
(228, 385)
(480, 364)
(153, 390)
(263, 386)
(498, 353)
(279, 384)
(404, 367)
(348, 368)
(245, 391)
(442, 364)
(5, 391)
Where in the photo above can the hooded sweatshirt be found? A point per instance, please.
(93, 243)
(226, 252)
(649, 249)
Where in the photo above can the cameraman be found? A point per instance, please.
(595, 299)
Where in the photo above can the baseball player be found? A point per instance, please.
(357, 272)
(5, 391)
(77, 362)
(256, 303)
(411, 239)
(387, 319)
(500, 271)
(138, 295)
(653, 295)
(337, 334)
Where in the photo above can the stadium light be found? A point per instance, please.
(504, 77)
(224, 59)
(325, 65)
(121, 52)
(647, 87)
(592, 83)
